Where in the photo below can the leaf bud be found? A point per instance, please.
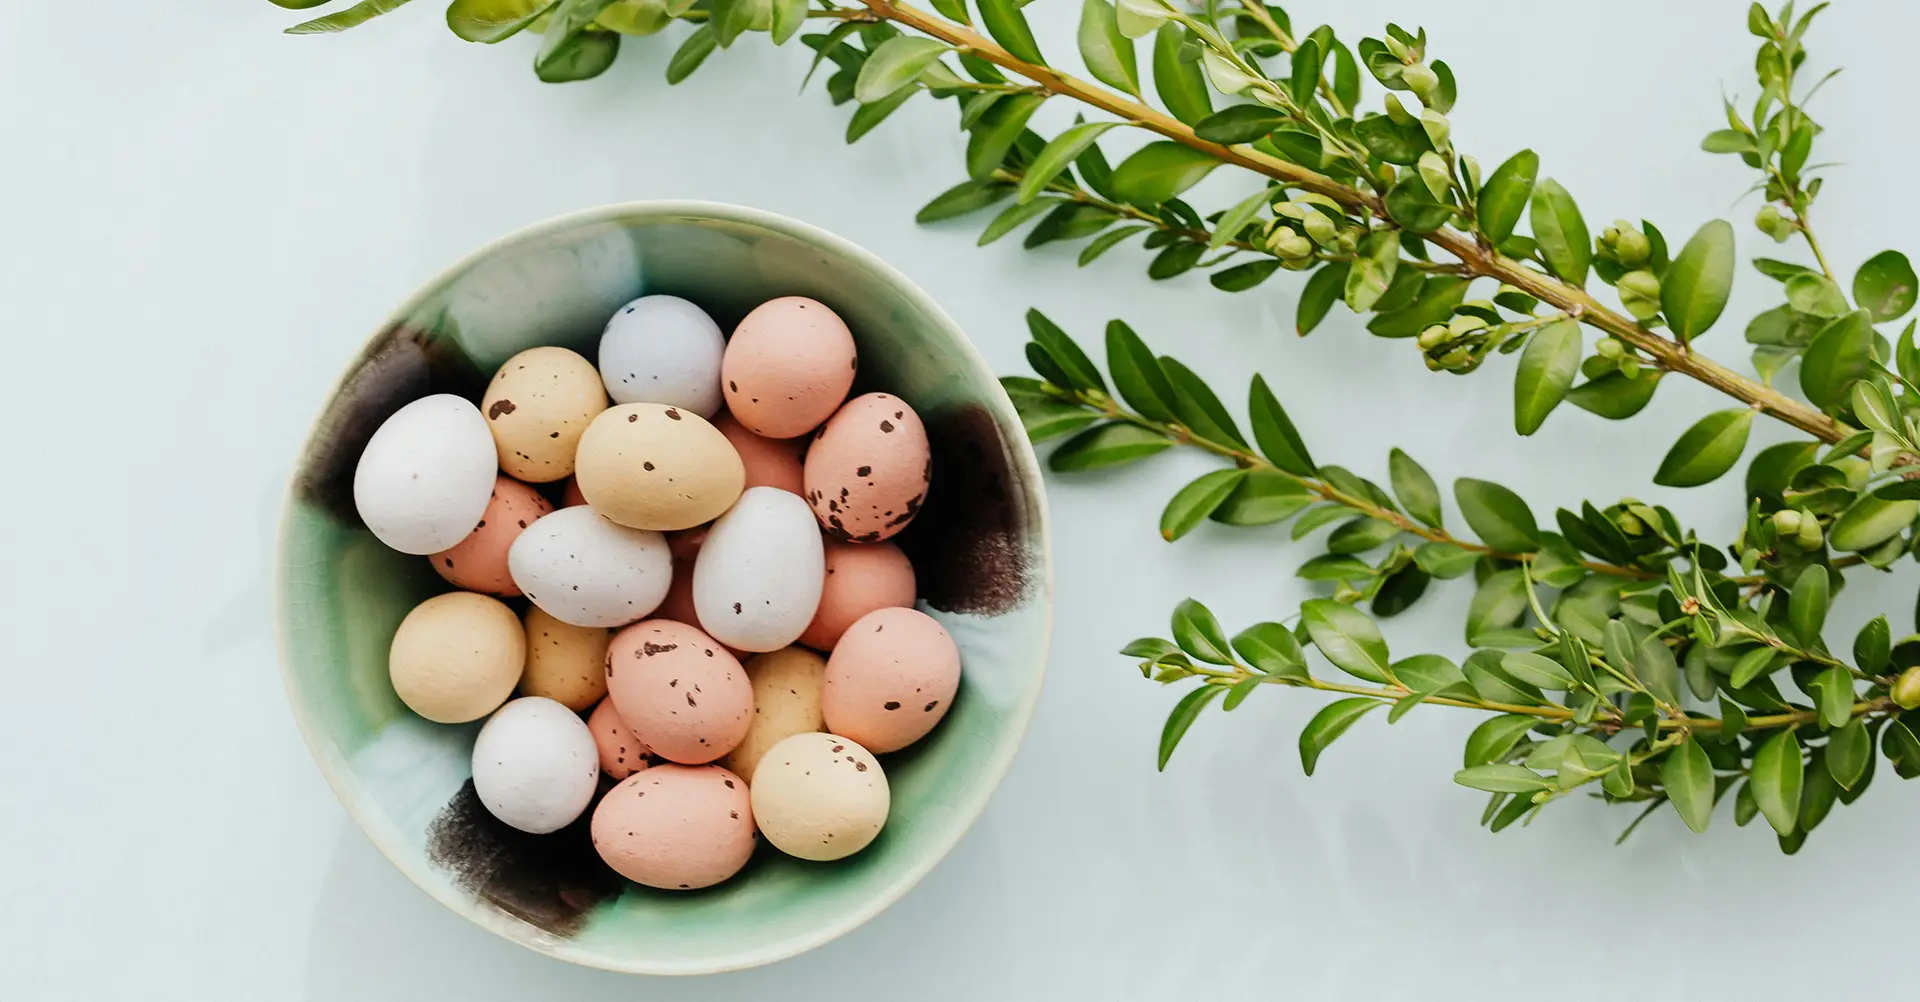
(1433, 171)
(1465, 323)
(1640, 294)
(1433, 336)
(1630, 366)
(1906, 689)
(1772, 223)
(1322, 230)
(1398, 48)
(1290, 245)
(1858, 470)
(1292, 210)
(1349, 241)
(1422, 80)
(1632, 248)
(1629, 524)
(1457, 359)
(1608, 348)
(1398, 112)
(1810, 537)
(1786, 522)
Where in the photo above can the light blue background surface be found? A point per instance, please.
(205, 220)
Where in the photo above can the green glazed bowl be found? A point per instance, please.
(979, 547)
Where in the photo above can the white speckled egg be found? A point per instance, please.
(820, 796)
(757, 580)
(424, 480)
(587, 571)
(535, 765)
(663, 350)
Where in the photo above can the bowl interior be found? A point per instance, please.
(979, 549)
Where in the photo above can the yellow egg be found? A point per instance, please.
(456, 657)
(786, 701)
(652, 466)
(565, 663)
(537, 406)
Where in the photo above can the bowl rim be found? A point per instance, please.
(494, 920)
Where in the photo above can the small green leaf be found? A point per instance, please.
(1347, 637)
(1497, 604)
(1614, 396)
(1834, 695)
(1360, 535)
(1197, 406)
(1110, 444)
(1176, 260)
(997, 130)
(789, 16)
(1159, 171)
(1231, 222)
(1434, 303)
(1869, 522)
(354, 16)
(952, 10)
(1497, 515)
(1416, 490)
(1015, 216)
(1432, 674)
(1242, 277)
(1109, 55)
(1777, 778)
(1871, 647)
(1057, 155)
(1901, 745)
(568, 51)
(1546, 372)
(1495, 737)
(1444, 561)
(1706, 450)
(1885, 286)
(1242, 123)
(1196, 501)
(1107, 241)
(1137, 374)
(489, 21)
(1694, 290)
(1180, 83)
(1537, 670)
(962, 199)
(1504, 197)
(1199, 634)
(1807, 605)
(1149, 648)
(867, 116)
(1327, 725)
(1279, 441)
(1654, 665)
(1816, 295)
(1003, 20)
(1239, 692)
(1371, 272)
(1561, 233)
(1273, 649)
(1263, 498)
(1412, 204)
(1080, 370)
(1502, 778)
(1184, 714)
(896, 63)
(1046, 418)
(1751, 665)
(1322, 290)
(1687, 776)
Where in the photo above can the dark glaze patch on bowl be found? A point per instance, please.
(551, 881)
(967, 542)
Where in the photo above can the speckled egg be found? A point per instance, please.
(535, 766)
(426, 475)
(621, 753)
(786, 701)
(479, 562)
(787, 367)
(820, 797)
(684, 696)
(676, 827)
(769, 462)
(587, 571)
(756, 583)
(565, 663)
(655, 466)
(663, 350)
(890, 679)
(536, 406)
(861, 577)
(456, 657)
(678, 605)
(868, 471)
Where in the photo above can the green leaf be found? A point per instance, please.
(1242, 123)
(1197, 406)
(1323, 289)
(1833, 695)
(1727, 141)
(1003, 20)
(1109, 55)
(997, 131)
(1807, 605)
(1058, 154)
(1411, 204)
(789, 16)
(1434, 303)
(691, 53)
(1743, 806)
(1614, 396)
(1149, 648)
(1045, 418)
(1242, 277)
(1871, 647)
(1347, 637)
(1561, 233)
(1199, 634)
(1444, 561)
(1432, 674)
(1537, 670)
(1159, 171)
(1687, 776)
(1497, 604)
(1869, 522)
(568, 51)
(1279, 441)
(1497, 515)
(1816, 295)
(1110, 444)
(1546, 372)
(1327, 725)
(896, 63)
(1181, 84)
(1654, 665)
(1416, 490)
(1502, 778)
(1885, 286)
(1239, 692)
(1176, 260)
(1319, 518)
(1901, 745)
(1706, 450)
(358, 14)
(1694, 290)
(1360, 535)
(491, 21)
(962, 199)
(1196, 501)
(1495, 737)
(1505, 194)
(1014, 216)
(1777, 777)
(1184, 712)
(1816, 801)
(830, 45)
(1137, 374)
(1263, 498)
(867, 116)
(1080, 370)
(1371, 273)
(952, 10)
(1273, 649)
(1106, 241)
(1751, 665)
(1231, 222)
(1492, 683)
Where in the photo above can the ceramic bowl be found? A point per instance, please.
(979, 546)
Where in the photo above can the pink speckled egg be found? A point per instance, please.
(787, 367)
(621, 753)
(867, 473)
(676, 827)
(570, 495)
(679, 690)
(770, 462)
(479, 562)
(861, 577)
(890, 679)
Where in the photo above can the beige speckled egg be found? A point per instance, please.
(861, 577)
(890, 679)
(652, 466)
(479, 562)
(820, 797)
(456, 657)
(565, 663)
(676, 827)
(786, 701)
(537, 406)
(680, 691)
(621, 753)
(769, 462)
(868, 471)
(787, 367)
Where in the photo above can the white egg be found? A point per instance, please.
(756, 582)
(424, 480)
(663, 350)
(819, 796)
(584, 570)
(535, 765)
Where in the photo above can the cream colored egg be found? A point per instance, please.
(456, 657)
(820, 797)
(537, 406)
(655, 466)
(786, 701)
(565, 663)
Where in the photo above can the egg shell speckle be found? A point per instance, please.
(536, 406)
(820, 797)
(456, 657)
(788, 365)
(655, 466)
(663, 350)
(565, 663)
(860, 578)
(424, 479)
(479, 562)
(676, 827)
(786, 701)
(890, 679)
(535, 766)
(757, 581)
(769, 462)
(585, 570)
(868, 471)
(683, 695)
(621, 753)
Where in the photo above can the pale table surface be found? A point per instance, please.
(204, 219)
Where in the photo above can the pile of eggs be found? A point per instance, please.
(714, 619)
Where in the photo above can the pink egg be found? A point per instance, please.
(787, 367)
(679, 690)
(770, 462)
(861, 577)
(676, 827)
(570, 495)
(890, 679)
(621, 753)
(479, 562)
(868, 471)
